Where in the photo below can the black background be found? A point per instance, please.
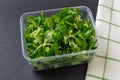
(12, 64)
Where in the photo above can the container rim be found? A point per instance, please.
(55, 56)
(53, 10)
(60, 56)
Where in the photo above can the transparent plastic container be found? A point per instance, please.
(59, 60)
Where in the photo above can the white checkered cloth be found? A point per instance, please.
(106, 63)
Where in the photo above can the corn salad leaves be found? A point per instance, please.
(62, 33)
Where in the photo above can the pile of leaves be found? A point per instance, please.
(62, 33)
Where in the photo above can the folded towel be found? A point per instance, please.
(106, 63)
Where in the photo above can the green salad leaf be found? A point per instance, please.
(62, 33)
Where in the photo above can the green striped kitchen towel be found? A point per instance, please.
(106, 63)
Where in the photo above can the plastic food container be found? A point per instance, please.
(59, 60)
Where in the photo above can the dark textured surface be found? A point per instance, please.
(12, 64)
